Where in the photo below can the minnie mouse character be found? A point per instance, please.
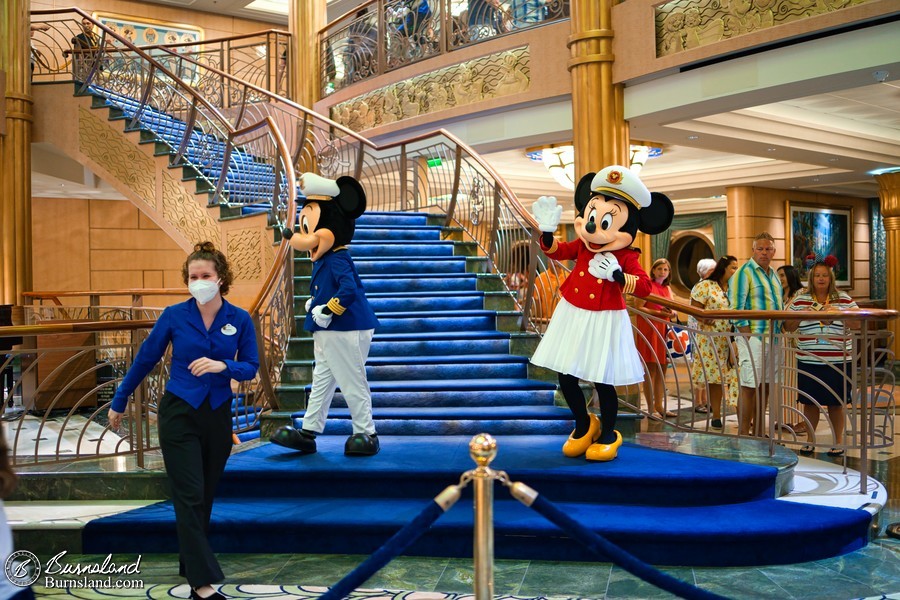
(589, 336)
(337, 313)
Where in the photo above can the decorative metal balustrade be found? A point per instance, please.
(261, 58)
(68, 359)
(200, 122)
(777, 417)
(383, 35)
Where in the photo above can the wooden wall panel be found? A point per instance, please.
(60, 231)
(104, 245)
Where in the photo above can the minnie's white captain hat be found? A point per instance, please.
(621, 182)
(316, 187)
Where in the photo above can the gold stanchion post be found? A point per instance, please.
(483, 449)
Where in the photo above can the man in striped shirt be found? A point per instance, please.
(755, 286)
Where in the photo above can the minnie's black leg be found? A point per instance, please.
(568, 384)
(609, 410)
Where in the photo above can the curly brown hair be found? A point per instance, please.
(208, 251)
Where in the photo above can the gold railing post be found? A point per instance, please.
(137, 408)
(863, 409)
(483, 449)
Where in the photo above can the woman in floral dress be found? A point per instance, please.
(711, 364)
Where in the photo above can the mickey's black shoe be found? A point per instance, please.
(300, 440)
(361, 444)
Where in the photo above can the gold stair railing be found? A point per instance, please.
(261, 58)
(433, 172)
(185, 112)
(63, 377)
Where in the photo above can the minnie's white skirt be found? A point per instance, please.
(593, 345)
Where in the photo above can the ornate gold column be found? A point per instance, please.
(15, 153)
(889, 193)
(306, 19)
(599, 131)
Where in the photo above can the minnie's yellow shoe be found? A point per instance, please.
(577, 446)
(604, 452)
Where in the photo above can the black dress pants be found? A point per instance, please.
(195, 446)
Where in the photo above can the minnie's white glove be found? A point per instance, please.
(547, 213)
(320, 318)
(603, 266)
(308, 304)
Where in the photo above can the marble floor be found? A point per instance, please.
(872, 572)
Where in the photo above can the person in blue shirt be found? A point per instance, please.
(212, 342)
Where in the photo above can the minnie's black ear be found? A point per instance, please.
(352, 199)
(657, 217)
(583, 192)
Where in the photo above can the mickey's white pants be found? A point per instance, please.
(340, 362)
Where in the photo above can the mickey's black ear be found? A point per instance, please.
(657, 217)
(583, 192)
(352, 199)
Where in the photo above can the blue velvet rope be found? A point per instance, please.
(388, 552)
(607, 549)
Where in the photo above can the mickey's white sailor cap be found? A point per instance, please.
(621, 182)
(316, 187)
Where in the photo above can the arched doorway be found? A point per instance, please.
(684, 254)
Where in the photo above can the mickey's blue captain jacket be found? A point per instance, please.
(336, 283)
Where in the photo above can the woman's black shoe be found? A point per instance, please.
(213, 596)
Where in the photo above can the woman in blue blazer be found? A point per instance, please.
(212, 342)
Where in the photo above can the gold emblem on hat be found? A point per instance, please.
(614, 177)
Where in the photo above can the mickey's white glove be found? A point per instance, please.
(603, 266)
(320, 318)
(308, 304)
(547, 213)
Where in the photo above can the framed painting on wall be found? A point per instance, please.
(149, 32)
(823, 231)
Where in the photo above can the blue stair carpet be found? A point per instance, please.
(666, 508)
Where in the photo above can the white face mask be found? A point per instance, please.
(203, 290)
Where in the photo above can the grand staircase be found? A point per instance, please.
(447, 357)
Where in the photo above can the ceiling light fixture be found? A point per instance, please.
(881, 76)
(559, 161)
(693, 137)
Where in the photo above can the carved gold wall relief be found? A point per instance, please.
(243, 249)
(685, 24)
(493, 76)
(184, 211)
(116, 154)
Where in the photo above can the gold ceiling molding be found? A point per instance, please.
(242, 246)
(685, 24)
(493, 76)
(183, 211)
(119, 156)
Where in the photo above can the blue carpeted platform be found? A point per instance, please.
(664, 507)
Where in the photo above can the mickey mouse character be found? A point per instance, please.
(341, 321)
(589, 335)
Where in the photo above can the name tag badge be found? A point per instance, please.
(229, 329)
